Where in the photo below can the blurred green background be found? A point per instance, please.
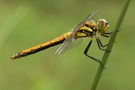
(25, 23)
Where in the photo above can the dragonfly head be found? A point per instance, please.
(102, 25)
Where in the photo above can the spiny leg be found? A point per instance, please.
(99, 41)
(100, 45)
(86, 53)
(108, 34)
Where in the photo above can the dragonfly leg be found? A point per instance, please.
(100, 43)
(108, 34)
(86, 53)
(101, 46)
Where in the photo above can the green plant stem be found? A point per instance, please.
(110, 45)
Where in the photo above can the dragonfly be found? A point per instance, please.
(86, 28)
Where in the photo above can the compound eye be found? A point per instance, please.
(107, 23)
(103, 22)
(102, 25)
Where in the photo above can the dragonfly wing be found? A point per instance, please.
(89, 17)
(65, 45)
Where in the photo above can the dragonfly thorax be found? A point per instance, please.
(87, 30)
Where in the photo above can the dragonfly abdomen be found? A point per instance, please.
(41, 47)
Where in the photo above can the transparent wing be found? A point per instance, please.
(89, 17)
(67, 43)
